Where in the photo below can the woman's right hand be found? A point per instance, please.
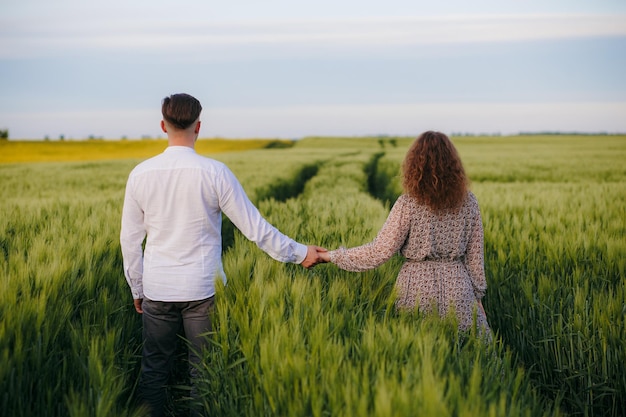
(325, 256)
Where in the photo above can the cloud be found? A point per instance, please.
(36, 38)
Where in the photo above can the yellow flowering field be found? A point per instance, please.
(95, 150)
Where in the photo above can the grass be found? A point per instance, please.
(289, 341)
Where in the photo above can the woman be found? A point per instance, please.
(436, 225)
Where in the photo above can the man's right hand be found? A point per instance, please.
(137, 303)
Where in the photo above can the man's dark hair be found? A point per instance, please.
(181, 110)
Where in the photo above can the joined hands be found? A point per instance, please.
(315, 255)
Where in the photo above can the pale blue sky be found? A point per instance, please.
(289, 69)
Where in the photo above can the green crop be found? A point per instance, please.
(324, 342)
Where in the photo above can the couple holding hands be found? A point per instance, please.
(171, 241)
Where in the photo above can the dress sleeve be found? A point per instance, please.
(388, 242)
(474, 259)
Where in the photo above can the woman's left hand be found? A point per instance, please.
(480, 305)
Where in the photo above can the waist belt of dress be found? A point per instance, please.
(439, 260)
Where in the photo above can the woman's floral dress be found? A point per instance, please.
(444, 253)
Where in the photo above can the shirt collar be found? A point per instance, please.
(185, 149)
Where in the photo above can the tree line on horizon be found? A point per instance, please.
(4, 135)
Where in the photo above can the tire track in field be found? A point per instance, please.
(280, 190)
(379, 181)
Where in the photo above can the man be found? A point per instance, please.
(175, 201)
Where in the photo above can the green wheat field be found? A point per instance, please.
(324, 342)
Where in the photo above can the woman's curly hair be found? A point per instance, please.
(433, 172)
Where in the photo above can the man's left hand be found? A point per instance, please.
(313, 256)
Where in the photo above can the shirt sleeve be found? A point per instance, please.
(132, 235)
(474, 259)
(236, 205)
(387, 243)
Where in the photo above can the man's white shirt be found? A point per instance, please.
(176, 199)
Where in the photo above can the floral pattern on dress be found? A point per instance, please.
(444, 258)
